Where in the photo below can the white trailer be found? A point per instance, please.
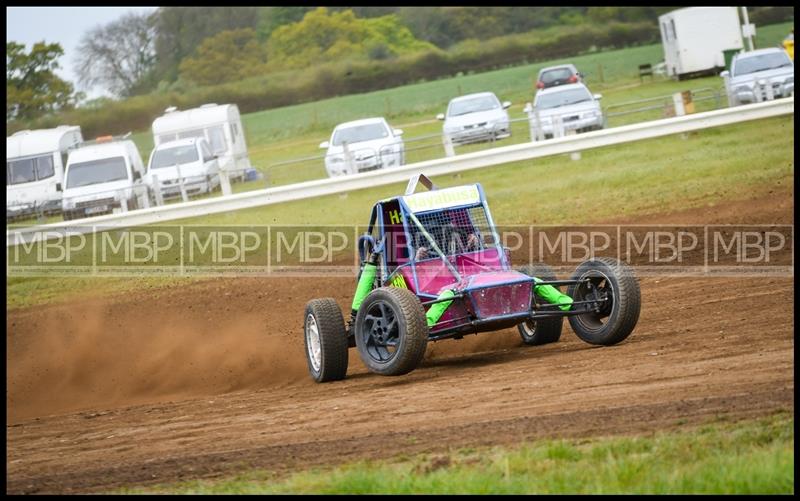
(695, 38)
(221, 125)
(35, 162)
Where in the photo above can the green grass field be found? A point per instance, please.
(747, 457)
(295, 131)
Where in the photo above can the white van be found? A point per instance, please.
(188, 159)
(221, 125)
(102, 177)
(35, 161)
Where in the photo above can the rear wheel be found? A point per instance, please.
(391, 332)
(614, 286)
(325, 340)
(547, 330)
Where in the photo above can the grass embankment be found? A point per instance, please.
(295, 131)
(422, 101)
(659, 175)
(747, 457)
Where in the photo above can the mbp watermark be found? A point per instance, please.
(273, 250)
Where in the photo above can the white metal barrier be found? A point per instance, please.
(475, 160)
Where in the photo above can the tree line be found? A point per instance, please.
(183, 49)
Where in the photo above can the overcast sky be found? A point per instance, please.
(65, 25)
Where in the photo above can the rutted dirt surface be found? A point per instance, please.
(207, 379)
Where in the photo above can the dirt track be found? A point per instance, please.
(207, 379)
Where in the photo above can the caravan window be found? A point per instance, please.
(29, 169)
(207, 156)
(165, 138)
(217, 139)
(235, 132)
(44, 167)
(191, 133)
(21, 171)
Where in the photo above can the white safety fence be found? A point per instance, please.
(495, 156)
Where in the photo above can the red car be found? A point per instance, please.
(558, 75)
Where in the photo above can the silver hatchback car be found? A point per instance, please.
(475, 118)
(756, 74)
(573, 105)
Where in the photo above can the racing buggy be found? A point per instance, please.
(433, 267)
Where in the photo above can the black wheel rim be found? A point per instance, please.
(597, 288)
(381, 332)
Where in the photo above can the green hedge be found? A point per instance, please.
(336, 79)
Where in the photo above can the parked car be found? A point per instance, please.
(100, 177)
(190, 159)
(371, 144)
(751, 73)
(578, 108)
(553, 76)
(475, 118)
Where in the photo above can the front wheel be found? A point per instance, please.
(391, 331)
(325, 340)
(614, 287)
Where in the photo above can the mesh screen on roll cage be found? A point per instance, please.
(452, 230)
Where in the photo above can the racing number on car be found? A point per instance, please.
(399, 282)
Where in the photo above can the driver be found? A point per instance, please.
(460, 226)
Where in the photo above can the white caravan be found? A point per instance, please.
(221, 125)
(103, 178)
(695, 38)
(35, 161)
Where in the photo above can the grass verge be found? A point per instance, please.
(746, 457)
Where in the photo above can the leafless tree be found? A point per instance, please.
(118, 56)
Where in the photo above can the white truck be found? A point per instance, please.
(103, 178)
(695, 39)
(35, 161)
(221, 125)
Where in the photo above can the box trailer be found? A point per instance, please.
(221, 125)
(696, 39)
(35, 162)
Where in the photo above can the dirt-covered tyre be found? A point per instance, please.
(614, 319)
(325, 340)
(546, 330)
(391, 331)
